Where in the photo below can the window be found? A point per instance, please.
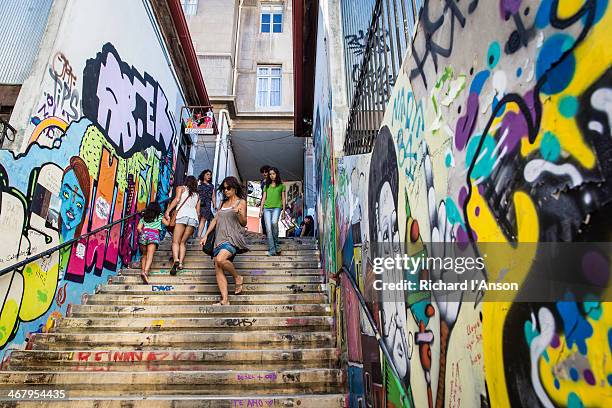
(268, 86)
(272, 19)
(190, 7)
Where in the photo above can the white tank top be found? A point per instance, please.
(189, 208)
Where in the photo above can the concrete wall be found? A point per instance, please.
(98, 117)
(213, 30)
(502, 137)
(256, 48)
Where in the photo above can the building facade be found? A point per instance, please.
(245, 51)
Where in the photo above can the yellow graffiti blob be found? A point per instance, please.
(562, 359)
(8, 319)
(568, 8)
(593, 57)
(516, 260)
(39, 287)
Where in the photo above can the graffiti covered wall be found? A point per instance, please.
(498, 130)
(100, 144)
(323, 150)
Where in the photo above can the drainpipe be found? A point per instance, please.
(222, 113)
(236, 49)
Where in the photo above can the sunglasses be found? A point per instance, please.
(226, 188)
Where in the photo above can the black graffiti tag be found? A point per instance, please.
(434, 49)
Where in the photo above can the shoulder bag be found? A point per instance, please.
(172, 222)
(209, 245)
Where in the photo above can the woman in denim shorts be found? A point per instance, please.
(229, 235)
(188, 203)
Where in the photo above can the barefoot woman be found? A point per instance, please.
(229, 239)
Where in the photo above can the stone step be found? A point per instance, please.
(164, 344)
(181, 311)
(176, 340)
(166, 279)
(260, 250)
(169, 360)
(259, 246)
(220, 401)
(236, 324)
(210, 271)
(249, 256)
(211, 288)
(156, 299)
(268, 262)
(209, 382)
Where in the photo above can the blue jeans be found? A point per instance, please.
(271, 216)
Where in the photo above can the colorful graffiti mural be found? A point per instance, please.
(498, 130)
(76, 174)
(295, 201)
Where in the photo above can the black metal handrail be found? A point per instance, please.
(379, 339)
(389, 36)
(71, 241)
(5, 128)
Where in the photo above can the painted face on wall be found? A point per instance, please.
(394, 313)
(386, 223)
(73, 204)
(396, 339)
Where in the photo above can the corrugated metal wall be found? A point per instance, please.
(22, 25)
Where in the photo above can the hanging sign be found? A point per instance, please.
(200, 124)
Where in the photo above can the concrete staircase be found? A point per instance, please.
(164, 344)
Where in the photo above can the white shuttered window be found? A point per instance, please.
(269, 86)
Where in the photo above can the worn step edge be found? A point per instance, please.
(156, 299)
(202, 310)
(157, 324)
(212, 288)
(248, 256)
(200, 280)
(168, 357)
(164, 266)
(190, 272)
(203, 377)
(211, 272)
(185, 339)
(252, 246)
(189, 401)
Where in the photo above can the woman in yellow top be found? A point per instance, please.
(274, 201)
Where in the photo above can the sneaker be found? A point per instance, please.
(278, 252)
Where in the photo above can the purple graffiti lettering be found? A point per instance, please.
(131, 108)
